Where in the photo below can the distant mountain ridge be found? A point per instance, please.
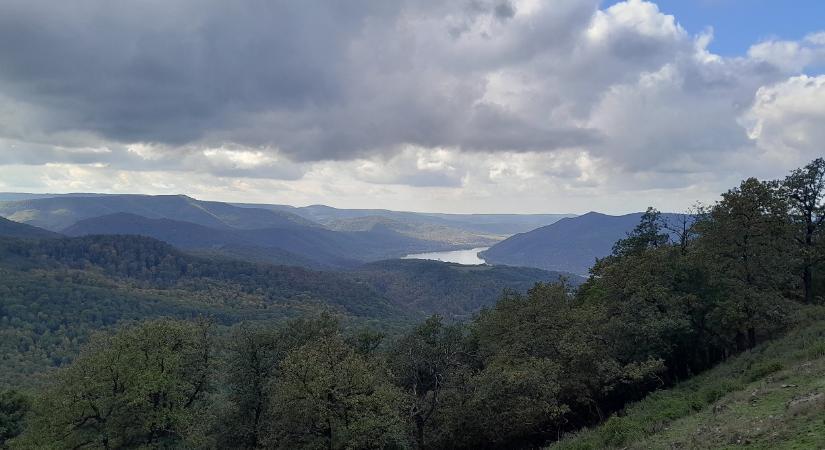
(51, 215)
(189, 236)
(314, 236)
(313, 247)
(57, 213)
(569, 245)
(418, 230)
(496, 224)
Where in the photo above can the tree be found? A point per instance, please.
(647, 234)
(745, 239)
(548, 354)
(13, 409)
(140, 388)
(805, 189)
(253, 358)
(424, 363)
(328, 396)
(682, 227)
(252, 366)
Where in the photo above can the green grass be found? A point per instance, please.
(772, 397)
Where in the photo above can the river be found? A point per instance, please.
(469, 257)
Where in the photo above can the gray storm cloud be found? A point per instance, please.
(318, 80)
(266, 88)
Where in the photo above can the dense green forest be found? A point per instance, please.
(453, 291)
(55, 292)
(674, 299)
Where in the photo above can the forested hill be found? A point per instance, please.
(453, 291)
(569, 245)
(55, 293)
(148, 264)
(13, 229)
(206, 240)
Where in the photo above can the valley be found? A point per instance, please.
(322, 237)
(179, 310)
(412, 225)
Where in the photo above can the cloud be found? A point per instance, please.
(470, 99)
(790, 56)
(786, 119)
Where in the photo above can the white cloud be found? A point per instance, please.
(786, 120)
(788, 56)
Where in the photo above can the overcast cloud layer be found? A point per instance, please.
(460, 106)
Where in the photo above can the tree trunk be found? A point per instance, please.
(419, 433)
(740, 341)
(808, 284)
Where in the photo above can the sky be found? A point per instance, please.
(494, 106)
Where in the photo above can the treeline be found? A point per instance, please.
(147, 263)
(672, 300)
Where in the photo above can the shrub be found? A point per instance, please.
(762, 370)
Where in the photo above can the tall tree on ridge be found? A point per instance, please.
(745, 237)
(805, 188)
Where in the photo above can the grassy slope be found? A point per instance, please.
(772, 397)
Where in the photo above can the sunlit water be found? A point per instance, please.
(469, 257)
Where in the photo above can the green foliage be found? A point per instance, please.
(764, 369)
(648, 234)
(55, 293)
(766, 397)
(546, 353)
(805, 190)
(452, 291)
(251, 359)
(251, 362)
(329, 396)
(511, 401)
(429, 363)
(745, 241)
(13, 409)
(141, 387)
(618, 431)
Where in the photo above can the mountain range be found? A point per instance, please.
(309, 246)
(314, 236)
(57, 213)
(569, 245)
(493, 224)
(322, 237)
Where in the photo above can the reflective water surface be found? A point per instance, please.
(469, 257)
